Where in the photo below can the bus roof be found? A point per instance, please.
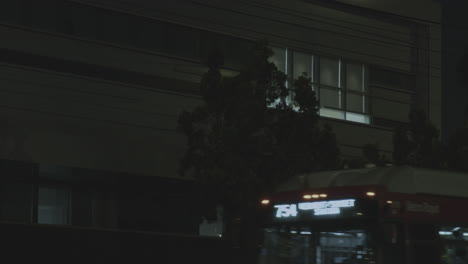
(403, 179)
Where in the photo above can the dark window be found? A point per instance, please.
(124, 29)
(17, 191)
(236, 52)
(81, 206)
(16, 201)
(10, 11)
(303, 245)
(182, 41)
(43, 14)
(423, 232)
(390, 79)
(83, 21)
(113, 27)
(209, 42)
(149, 34)
(387, 123)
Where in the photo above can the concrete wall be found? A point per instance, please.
(72, 120)
(426, 10)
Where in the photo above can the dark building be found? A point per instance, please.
(454, 48)
(91, 91)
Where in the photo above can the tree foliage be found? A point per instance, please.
(246, 138)
(372, 155)
(417, 143)
(457, 150)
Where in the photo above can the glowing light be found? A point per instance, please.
(445, 233)
(315, 196)
(339, 234)
(327, 211)
(307, 196)
(306, 233)
(265, 202)
(326, 204)
(370, 193)
(323, 195)
(359, 213)
(389, 202)
(286, 210)
(318, 208)
(422, 207)
(449, 233)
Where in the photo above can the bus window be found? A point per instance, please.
(302, 246)
(454, 245)
(424, 245)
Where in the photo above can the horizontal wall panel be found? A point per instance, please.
(390, 110)
(391, 95)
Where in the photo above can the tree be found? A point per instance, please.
(457, 150)
(417, 143)
(372, 155)
(246, 138)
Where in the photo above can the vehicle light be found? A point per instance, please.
(265, 202)
(370, 193)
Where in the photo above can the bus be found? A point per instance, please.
(384, 215)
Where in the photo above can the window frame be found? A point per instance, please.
(60, 187)
(366, 114)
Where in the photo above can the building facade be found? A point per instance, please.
(92, 89)
(454, 49)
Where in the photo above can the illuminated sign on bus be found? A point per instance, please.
(316, 208)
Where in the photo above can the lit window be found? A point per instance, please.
(340, 86)
(360, 118)
(332, 113)
(302, 63)
(330, 84)
(355, 101)
(53, 206)
(343, 91)
(280, 59)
